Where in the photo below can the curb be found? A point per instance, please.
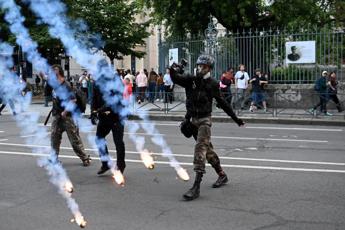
(272, 120)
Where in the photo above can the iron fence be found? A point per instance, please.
(266, 50)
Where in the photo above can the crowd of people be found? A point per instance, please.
(248, 90)
(150, 86)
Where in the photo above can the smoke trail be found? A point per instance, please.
(10, 88)
(53, 13)
(14, 18)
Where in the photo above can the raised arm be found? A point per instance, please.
(180, 79)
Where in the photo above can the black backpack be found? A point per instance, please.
(317, 85)
(81, 100)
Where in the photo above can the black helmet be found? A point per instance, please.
(205, 60)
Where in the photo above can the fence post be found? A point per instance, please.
(275, 114)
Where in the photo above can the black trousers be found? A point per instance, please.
(105, 125)
(323, 102)
(335, 99)
(168, 94)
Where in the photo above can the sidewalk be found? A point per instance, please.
(176, 111)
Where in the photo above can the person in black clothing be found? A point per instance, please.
(333, 91)
(109, 120)
(322, 91)
(258, 94)
(201, 90)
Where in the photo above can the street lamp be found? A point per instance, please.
(211, 34)
(211, 38)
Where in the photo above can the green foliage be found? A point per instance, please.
(293, 75)
(113, 20)
(184, 18)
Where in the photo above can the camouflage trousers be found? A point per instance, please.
(203, 149)
(61, 124)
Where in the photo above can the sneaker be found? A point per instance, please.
(311, 111)
(328, 114)
(251, 109)
(103, 169)
(265, 110)
(157, 100)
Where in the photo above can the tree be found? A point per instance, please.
(192, 17)
(111, 21)
(115, 22)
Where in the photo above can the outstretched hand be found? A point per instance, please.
(240, 123)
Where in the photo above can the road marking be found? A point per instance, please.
(270, 139)
(190, 164)
(233, 138)
(3, 139)
(33, 135)
(295, 129)
(2, 131)
(191, 156)
(156, 124)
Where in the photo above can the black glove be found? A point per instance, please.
(240, 122)
(177, 68)
(94, 118)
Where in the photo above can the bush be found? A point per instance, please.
(293, 75)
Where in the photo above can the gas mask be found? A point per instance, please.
(202, 70)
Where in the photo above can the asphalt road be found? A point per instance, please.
(281, 177)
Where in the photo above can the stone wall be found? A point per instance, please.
(298, 96)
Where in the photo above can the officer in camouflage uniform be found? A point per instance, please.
(63, 121)
(200, 92)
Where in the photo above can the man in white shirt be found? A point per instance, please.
(241, 84)
(83, 80)
(168, 86)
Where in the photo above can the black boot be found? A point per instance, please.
(104, 168)
(222, 178)
(194, 192)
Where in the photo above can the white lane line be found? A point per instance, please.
(190, 164)
(2, 131)
(32, 135)
(234, 138)
(159, 124)
(191, 156)
(295, 129)
(270, 139)
(129, 123)
(3, 139)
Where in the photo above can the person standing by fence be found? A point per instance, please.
(160, 87)
(241, 84)
(226, 80)
(152, 85)
(168, 86)
(141, 81)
